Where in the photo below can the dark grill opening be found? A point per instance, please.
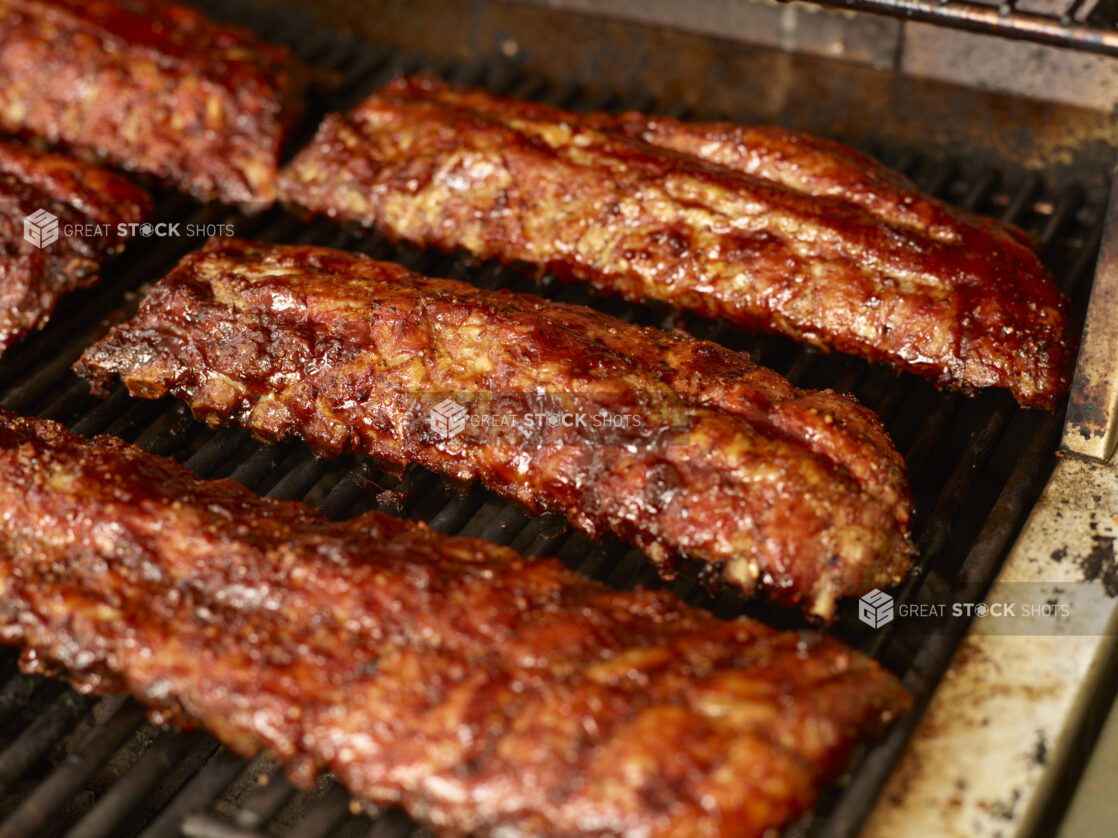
(80, 766)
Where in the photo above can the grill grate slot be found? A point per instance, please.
(264, 802)
(186, 784)
(135, 796)
(30, 745)
(40, 807)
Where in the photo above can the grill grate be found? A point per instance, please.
(78, 766)
(1089, 25)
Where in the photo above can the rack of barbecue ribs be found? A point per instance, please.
(485, 693)
(761, 227)
(679, 446)
(164, 90)
(60, 219)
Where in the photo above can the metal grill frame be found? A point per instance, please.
(1079, 24)
(112, 772)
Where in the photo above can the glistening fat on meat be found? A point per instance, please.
(484, 693)
(164, 90)
(762, 227)
(59, 222)
(799, 493)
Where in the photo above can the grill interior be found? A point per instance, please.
(84, 766)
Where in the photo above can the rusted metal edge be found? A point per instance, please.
(1091, 429)
(1007, 720)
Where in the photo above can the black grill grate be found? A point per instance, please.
(78, 766)
(1089, 25)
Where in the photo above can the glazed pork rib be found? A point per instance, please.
(762, 227)
(163, 90)
(684, 448)
(59, 222)
(484, 693)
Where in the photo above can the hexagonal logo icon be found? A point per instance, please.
(40, 229)
(448, 418)
(875, 609)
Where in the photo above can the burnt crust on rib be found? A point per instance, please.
(165, 90)
(797, 492)
(484, 693)
(762, 227)
(87, 202)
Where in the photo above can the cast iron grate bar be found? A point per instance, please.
(40, 807)
(33, 742)
(219, 770)
(129, 799)
(201, 789)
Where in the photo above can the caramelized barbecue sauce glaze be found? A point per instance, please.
(165, 90)
(800, 493)
(761, 227)
(484, 693)
(33, 279)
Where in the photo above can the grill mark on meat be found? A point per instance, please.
(485, 693)
(34, 279)
(798, 492)
(165, 90)
(762, 227)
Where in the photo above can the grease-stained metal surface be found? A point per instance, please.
(796, 27)
(702, 76)
(1004, 725)
(1015, 67)
(971, 58)
(1092, 419)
